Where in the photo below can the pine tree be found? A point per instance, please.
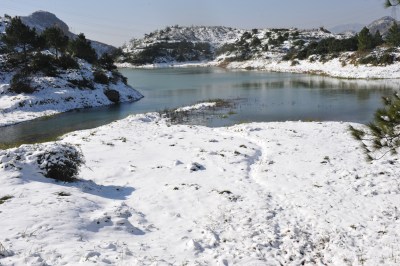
(393, 36)
(82, 48)
(378, 40)
(365, 40)
(107, 62)
(19, 35)
(389, 3)
(384, 132)
(55, 38)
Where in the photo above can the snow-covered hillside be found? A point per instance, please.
(60, 94)
(217, 36)
(382, 25)
(221, 40)
(150, 193)
(289, 50)
(42, 84)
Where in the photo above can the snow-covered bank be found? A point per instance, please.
(55, 95)
(154, 194)
(333, 68)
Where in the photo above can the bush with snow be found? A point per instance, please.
(57, 161)
(60, 162)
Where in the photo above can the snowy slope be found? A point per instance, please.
(66, 90)
(262, 49)
(57, 94)
(153, 194)
(217, 36)
(382, 25)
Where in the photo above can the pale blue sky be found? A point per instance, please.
(117, 21)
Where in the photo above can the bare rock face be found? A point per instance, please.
(40, 20)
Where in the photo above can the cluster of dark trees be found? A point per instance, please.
(364, 41)
(179, 51)
(24, 46)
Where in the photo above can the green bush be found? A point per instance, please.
(328, 46)
(100, 77)
(295, 63)
(116, 76)
(106, 61)
(20, 83)
(255, 42)
(82, 83)
(386, 59)
(67, 62)
(180, 51)
(226, 48)
(61, 162)
(45, 64)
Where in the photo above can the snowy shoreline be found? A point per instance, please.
(152, 193)
(333, 68)
(56, 95)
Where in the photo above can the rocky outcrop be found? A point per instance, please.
(40, 20)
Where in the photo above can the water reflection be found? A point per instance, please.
(263, 97)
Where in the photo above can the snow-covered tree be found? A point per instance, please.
(384, 132)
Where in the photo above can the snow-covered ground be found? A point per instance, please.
(152, 193)
(332, 68)
(57, 94)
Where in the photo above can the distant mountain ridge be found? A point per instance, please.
(40, 20)
(346, 28)
(383, 25)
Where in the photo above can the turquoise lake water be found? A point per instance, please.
(259, 97)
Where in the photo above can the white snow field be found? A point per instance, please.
(151, 193)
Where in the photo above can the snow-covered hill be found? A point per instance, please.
(216, 36)
(174, 44)
(45, 85)
(345, 28)
(382, 25)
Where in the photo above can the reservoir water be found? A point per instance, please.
(260, 97)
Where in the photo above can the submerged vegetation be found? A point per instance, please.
(202, 109)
